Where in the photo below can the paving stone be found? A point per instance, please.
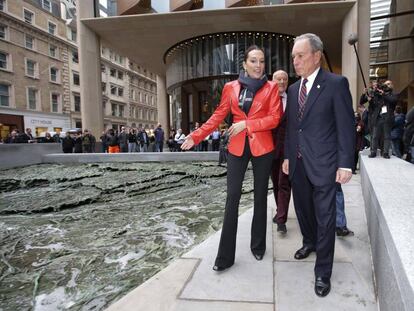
(294, 289)
(239, 283)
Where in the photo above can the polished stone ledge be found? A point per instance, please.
(15, 155)
(388, 193)
(130, 157)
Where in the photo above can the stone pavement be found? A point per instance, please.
(277, 283)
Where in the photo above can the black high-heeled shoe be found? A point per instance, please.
(257, 256)
(219, 268)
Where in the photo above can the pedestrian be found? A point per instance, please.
(280, 181)
(67, 143)
(319, 152)
(397, 132)
(104, 142)
(159, 138)
(88, 142)
(255, 107)
(123, 139)
(113, 142)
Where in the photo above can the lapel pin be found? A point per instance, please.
(318, 86)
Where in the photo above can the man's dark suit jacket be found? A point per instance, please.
(325, 134)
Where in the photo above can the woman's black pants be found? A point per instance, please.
(236, 169)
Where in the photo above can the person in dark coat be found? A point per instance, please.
(281, 183)
(159, 138)
(104, 142)
(78, 143)
(48, 138)
(113, 142)
(359, 139)
(397, 132)
(408, 137)
(67, 143)
(27, 137)
(123, 139)
(319, 152)
(88, 142)
(382, 102)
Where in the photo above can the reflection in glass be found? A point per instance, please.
(221, 54)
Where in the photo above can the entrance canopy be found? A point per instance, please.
(146, 38)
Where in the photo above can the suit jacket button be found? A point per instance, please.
(300, 130)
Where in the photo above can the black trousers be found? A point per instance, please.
(236, 169)
(381, 130)
(315, 208)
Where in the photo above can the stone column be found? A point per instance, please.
(90, 71)
(364, 11)
(356, 22)
(349, 60)
(162, 104)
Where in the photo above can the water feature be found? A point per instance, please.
(78, 237)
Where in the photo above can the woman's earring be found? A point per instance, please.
(245, 73)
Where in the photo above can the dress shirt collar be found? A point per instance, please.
(310, 79)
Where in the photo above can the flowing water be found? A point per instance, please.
(79, 237)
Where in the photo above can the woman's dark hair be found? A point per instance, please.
(252, 48)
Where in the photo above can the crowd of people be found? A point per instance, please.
(306, 137)
(382, 125)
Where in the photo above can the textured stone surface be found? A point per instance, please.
(389, 196)
(293, 281)
(294, 289)
(237, 283)
(87, 234)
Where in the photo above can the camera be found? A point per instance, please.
(384, 87)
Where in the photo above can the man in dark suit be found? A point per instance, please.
(319, 152)
(281, 183)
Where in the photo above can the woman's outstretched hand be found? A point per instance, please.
(188, 143)
(236, 128)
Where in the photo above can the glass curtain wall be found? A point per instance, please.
(221, 55)
(202, 65)
(392, 46)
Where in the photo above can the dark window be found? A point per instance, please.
(76, 80)
(4, 95)
(52, 28)
(3, 29)
(3, 60)
(55, 102)
(75, 57)
(28, 16)
(54, 74)
(77, 102)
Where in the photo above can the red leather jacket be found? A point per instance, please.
(264, 115)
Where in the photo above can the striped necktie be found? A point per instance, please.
(302, 99)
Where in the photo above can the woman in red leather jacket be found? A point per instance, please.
(255, 106)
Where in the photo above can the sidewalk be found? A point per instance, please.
(277, 283)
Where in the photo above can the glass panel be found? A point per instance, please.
(29, 42)
(53, 74)
(55, 103)
(52, 28)
(28, 16)
(222, 54)
(4, 95)
(3, 60)
(2, 32)
(32, 98)
(30, 68)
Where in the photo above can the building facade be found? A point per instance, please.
(40, 75)
(34, 68)
(193, 56)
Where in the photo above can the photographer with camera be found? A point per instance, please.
(382, 102)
